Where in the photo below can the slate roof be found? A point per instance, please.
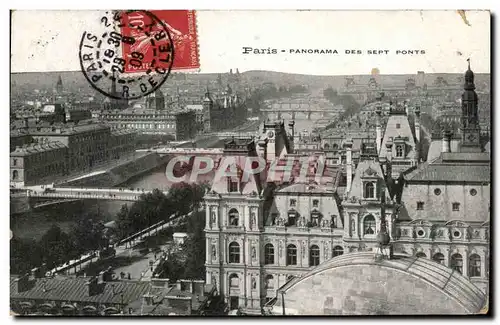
(76, 290)
(34, 148)
(305, 188)
(454, 166)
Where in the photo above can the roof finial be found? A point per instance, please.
(468, 62)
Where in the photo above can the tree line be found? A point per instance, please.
(56, 246)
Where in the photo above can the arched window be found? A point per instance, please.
(369, 225)
(369, 190)
(234, 252)
(326, 146)
(269, 282)
(474, 265)
(337, 251)
(457, 263)
(291, 255)
(234, 281)
(234, 217)
(269, 254)
(335, 146)
(421, 254)
(15, 175)
(314, 255)
(439, 258)
(14, 162)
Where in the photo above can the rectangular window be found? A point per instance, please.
(456, 206)
(291, 219)
(420, 205)
(232, 186)
(315, 203)
(398, 126)
(334, 221)
(293, 202)
(400, 150)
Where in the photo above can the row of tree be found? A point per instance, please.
(56, 246)
(154, 207)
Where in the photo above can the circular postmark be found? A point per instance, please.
(128, 56)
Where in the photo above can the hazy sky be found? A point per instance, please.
(49, 40)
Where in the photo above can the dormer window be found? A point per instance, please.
(232, 185)
(369, 190)
(292, 218)
(315, 218)
(400, 149)
(334, 221)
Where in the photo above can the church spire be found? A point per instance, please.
(469, 78)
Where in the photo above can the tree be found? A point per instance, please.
(173, 268)
(88, 234)
(194, 247)
(24, 255)
(56, 247)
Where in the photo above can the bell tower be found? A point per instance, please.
(470, 120)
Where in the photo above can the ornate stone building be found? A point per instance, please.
(260, 234)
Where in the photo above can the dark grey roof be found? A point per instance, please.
(76, 290)
(451, 172)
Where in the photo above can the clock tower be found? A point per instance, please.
(470, 121)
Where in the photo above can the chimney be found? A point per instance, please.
(199, 287)
(262, 146)
(417, 122)
(36, 274)
(159, 283)
(388, 146)
(22, 283)
(378, 127)
(148, 299)
(348, 147)
(446, 141)
(92, 286)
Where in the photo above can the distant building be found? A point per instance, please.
(222, 110)
(38, 161)
(61, 149)
(185, 125)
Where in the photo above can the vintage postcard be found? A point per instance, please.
(273, 163)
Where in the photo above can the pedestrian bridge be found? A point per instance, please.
(117, 194)
(184, 151)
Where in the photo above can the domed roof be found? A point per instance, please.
(358, 284)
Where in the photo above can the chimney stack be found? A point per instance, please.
(199, 287)
(348, 147)
(262, 146)
(378, 127)
(22, 283)
(446, 141)
(92, 286)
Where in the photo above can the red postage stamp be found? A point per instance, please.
(181, 25)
